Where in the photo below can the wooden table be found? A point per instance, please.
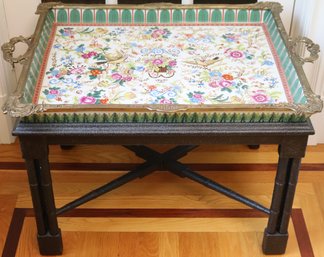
(35, 138)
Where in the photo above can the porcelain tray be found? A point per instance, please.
(162, 63)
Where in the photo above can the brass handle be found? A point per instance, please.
(311, 47)
(9, 48)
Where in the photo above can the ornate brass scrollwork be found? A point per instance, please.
(311, 47)
(9, 48)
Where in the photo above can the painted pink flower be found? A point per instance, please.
(172, 63)
(198, 96)
(157, 61)
(225, 83)
(155, 35)
(160, 31)
(260, 98)
(87, 100)
(127, 78)
(165, 101)
(53, 92)
(86, 56)
(236, 54)
(116, 76)
(78, 70)
(92, 53)
(213, 84)
(89, 55)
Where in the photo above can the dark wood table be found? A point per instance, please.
(35, 138)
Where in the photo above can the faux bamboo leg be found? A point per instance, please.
(35, 153)
(276, 233)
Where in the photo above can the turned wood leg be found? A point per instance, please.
(276, 233)
(35, 153)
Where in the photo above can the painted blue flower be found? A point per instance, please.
(50, 96)
(272, 82)
(192, 40)
(139, 68)
(175, 51)
(120, 30)
(176, 88)
(66, 32)
(67, 60)
(57, 46)
(68, 80)
(215, 73)
(54, 72)
(194, 100)
(268, 63)
(157, 51)
(171, 93)
(229, 37)
(154, 93)
(77, 85)
(80, 48)
(133, 44)
(145, 51)
(201, 84)
(54, 81)
(207, 39)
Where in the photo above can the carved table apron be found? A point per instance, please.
(35, 138)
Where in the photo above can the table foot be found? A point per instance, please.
(274, 243)
(254, 147)
(50, 244)
(66, 147)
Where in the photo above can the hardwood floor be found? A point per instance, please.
(131, 224)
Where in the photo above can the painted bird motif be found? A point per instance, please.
(113, 58)
(204, 62)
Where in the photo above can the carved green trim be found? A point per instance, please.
(151, 16)
(165, 16)
(139, 16)
(155, 117)
(101, 16)
(177, 16)
(75, 16)
(126, 16)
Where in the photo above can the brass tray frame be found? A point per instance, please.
(16, 108)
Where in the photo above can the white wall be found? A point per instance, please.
(6, 77)
(308, 21)
(16, 18)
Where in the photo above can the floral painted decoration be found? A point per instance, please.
(192, 65)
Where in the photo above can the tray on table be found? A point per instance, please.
(162, 63)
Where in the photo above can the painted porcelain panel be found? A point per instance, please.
(179, 64)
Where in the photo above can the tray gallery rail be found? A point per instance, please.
(161, 63)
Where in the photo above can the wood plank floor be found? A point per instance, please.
(130, 233)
